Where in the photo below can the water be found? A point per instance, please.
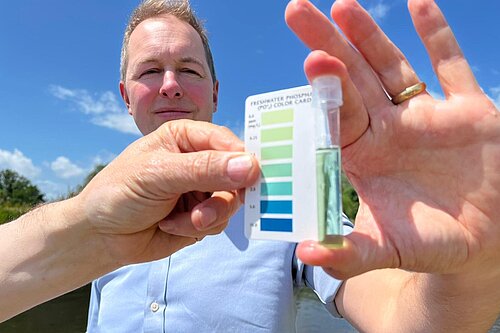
(312, 316)
(329, 195)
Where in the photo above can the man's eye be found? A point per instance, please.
(191, 71)
(150, 71)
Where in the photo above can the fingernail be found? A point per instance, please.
(238, 167)
(207, 216)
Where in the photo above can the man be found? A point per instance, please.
(219, 283)
(115, 220)
(228, 284)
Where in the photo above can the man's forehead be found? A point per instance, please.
(165, 32)
(165, 25)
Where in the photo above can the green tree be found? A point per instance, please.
(17, 195)
(18, 190)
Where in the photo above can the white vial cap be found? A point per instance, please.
(327, 89)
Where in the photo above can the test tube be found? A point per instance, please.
(327, 98)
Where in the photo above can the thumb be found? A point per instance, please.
(204, 171)
(358, 254)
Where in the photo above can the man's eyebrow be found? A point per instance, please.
(147, 61)
(144, 61)
(192, 60)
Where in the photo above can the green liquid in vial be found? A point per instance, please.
(329, 197)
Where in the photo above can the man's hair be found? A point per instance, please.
(180, 9)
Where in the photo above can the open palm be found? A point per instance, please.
(426, 170)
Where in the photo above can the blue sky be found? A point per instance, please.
(61, 112)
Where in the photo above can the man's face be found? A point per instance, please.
(168, 76)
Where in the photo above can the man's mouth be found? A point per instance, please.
(173, 114)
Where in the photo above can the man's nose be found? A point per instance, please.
(170, 86)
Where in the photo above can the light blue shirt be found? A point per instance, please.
(224, 283)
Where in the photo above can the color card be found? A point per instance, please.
(278, 130)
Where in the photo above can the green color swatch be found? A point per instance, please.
(277, 170)
(276, 152)
(283, 188)
(276, 134)
(277, 117)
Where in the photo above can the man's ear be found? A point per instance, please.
(216, 95)
(125, 98)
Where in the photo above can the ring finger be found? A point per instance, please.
(181, 225)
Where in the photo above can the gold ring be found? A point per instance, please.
(409, 93)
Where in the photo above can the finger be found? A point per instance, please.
(182, 224)
(354, 119)
(191, 199)
(447, 59)
(216, 210)
(384, 57)
(318, 33)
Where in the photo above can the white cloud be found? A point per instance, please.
(66, 174)
(53, 190)
(62, 93)
(379, 11)
(65, 169)
(105, 110)
(120, 122)
(18, 162)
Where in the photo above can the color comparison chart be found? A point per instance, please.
(279, 131)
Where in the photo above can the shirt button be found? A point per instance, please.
(154, 307)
